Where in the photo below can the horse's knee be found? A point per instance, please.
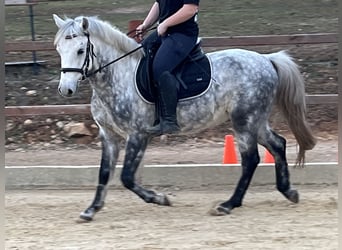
(127, 180)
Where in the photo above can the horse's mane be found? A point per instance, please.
(103, 30)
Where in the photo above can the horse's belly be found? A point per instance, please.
(202, 114)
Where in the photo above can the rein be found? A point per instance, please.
(90, 52)
(117, 59)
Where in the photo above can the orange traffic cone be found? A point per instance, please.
(268, 158)
(229, 154)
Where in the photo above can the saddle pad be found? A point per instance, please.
(194, 79)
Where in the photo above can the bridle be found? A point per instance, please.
(84, 70)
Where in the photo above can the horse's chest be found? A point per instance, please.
(107, 114)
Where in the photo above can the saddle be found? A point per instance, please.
(193, 75)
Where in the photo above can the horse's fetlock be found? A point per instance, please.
(127, 179)
(98, 206)
(127, 182)
(149, 199)
(231, 204)
(282, 189)
(283, 185)
(292, 195)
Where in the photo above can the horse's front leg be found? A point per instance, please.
(135, 149)
(110, 153)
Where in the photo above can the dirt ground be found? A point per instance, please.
(49, 220)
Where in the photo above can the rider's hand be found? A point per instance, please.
(140, 30)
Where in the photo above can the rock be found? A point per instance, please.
(76, 130)
(93, 125)
(10, 140)
(31, 93)
(60, 124)
(57, 141)
(28, 122)
(48, 120)
(86, 139)
(9, 126)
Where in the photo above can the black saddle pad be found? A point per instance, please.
(193, 78)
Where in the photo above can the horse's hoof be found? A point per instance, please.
(88, 214)
(161, 199)
(292, 195)
(219, 210)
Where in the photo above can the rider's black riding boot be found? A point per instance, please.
(168, 98)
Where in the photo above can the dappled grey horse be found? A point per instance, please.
(243, 87)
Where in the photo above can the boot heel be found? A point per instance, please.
(170, 128)
(155, 130)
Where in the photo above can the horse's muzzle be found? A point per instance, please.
(67, 91)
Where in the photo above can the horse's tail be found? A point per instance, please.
(290, 98)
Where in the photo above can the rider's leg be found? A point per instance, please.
(173, 50)
(168, 96)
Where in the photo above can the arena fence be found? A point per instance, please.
(209, 42)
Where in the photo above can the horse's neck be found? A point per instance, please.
(117, 78)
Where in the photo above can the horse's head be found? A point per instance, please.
(74, 47)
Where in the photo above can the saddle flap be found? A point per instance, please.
(194, 76)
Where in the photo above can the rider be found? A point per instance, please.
(178, 32)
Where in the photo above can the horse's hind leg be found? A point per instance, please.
(135, 149)
(110, 153)
(276, 145)
(248, 148)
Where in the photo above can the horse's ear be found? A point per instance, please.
(85, 24)
(59, 21)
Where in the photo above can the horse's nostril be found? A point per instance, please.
(70, 92)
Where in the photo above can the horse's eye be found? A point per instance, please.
(80, 52)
